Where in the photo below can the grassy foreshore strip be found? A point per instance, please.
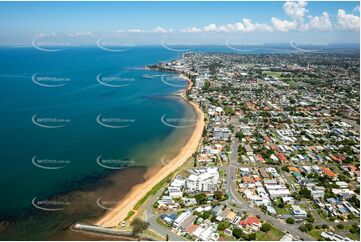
(153, 191)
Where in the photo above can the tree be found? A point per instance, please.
(340, 226)
(239, 135)
(206, 214)
(355, 229)
(251, 236)
(228, 111)
(310, 218)
(237, 233)
(290, 220)
(296, 196)
(284, 168)
(266, 227)
(206, 85)
(307, 227)
(222, 226)
(305, 193)
(218, 195)
(201, 198)
(281, 205)
(354, 201)
(138, 226)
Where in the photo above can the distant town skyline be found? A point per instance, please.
(179, 23)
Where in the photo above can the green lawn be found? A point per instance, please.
(154, 190)
(316, 233)
(221, 172)
(282, 210)
(226, 237)
(130, 214)
(322, 214)
(355, 237)
(272, 73)
(272, 235)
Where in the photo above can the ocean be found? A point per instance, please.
(79, 128)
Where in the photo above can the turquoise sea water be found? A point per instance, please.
(51, 104)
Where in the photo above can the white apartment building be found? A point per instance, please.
(205, 180)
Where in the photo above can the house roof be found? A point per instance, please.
(281, 156)
(328, 172)
(191, 228)
(292, 168)
(250, 221)
(248, 179)
(351, 167)
(260, 157)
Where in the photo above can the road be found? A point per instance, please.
(243, 205)
(151, 218)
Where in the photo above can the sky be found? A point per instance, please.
(178, 23)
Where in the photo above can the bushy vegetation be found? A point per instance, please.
(138, 226)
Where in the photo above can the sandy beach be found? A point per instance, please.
(119, 213)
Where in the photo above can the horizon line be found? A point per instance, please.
(198, 45)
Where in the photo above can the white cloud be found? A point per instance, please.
(283, 25)
(347, 21)
(248, 26)
(229, 27)
(356, 9)
(296, 9)
(245, 26)
(210, 28)
(159, 30)
(77, 34)
(43, 35)
(263, 27)
(322, 22)
(135, 31)
(191, 30)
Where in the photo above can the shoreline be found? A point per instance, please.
(127, 204)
